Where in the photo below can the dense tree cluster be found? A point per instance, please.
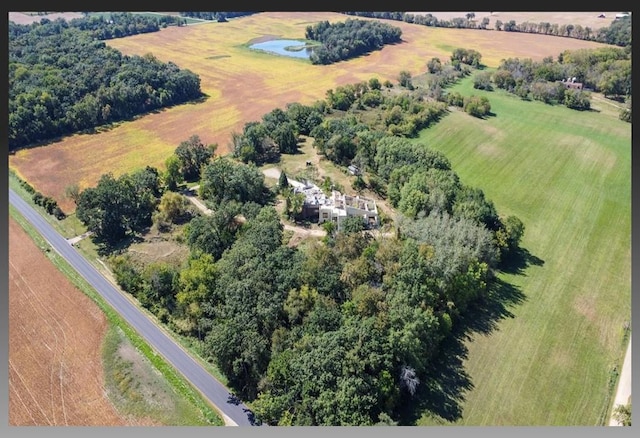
(338, 332)
(349, 39)
(403, 114)
(122, 24)
(225, 180)
(117, 207)
(277, 133)
(335, 334)
(618, 32)
(105, 26)
(62, 80)
(607, 70)
(343, 331)
(466, 56)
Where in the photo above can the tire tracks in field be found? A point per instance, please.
(17, 394)
(58, 350)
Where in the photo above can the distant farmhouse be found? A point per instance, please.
(571, 83)
(338, 206)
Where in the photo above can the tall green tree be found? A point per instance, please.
(117, 207)
(193, 156)
(215, 233)
(173, 175)
(226, 180)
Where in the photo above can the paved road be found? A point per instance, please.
(233, 414)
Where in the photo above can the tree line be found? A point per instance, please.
(215, 16)
(109, 26)
(63, 80)
(49, 204)
(606, 70)
(617, 33)
(122, 24)
(349, 39)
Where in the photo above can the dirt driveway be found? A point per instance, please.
(623, 394)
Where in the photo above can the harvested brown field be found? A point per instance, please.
(28, 18)
(243, 84)
(55, 338)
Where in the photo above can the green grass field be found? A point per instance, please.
(567, 176)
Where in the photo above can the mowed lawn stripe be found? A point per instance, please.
(567, 176)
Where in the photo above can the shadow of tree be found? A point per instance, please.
(441, 392)
(106, 248)
(518, 261)
(446, 382)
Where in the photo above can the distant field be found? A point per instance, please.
(152, 14)
(244, 84)
(582, 18)
(567, 176)
(30, 17)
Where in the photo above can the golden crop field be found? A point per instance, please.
(243, 84)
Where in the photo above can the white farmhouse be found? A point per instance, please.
(335, 207)
(342, 206)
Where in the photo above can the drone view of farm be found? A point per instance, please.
(319, 218)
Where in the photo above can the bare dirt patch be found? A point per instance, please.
(585, 305)
(160, 249)
(489, 149)
(55, 336)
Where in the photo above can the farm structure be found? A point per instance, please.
(571, 83)
(336, 207)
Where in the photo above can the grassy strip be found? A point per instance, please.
(180, 385)
(137, 389)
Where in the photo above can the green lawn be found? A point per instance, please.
(567, 176)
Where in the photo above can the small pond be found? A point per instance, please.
(292, 48)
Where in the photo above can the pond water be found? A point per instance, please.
(292, 48)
